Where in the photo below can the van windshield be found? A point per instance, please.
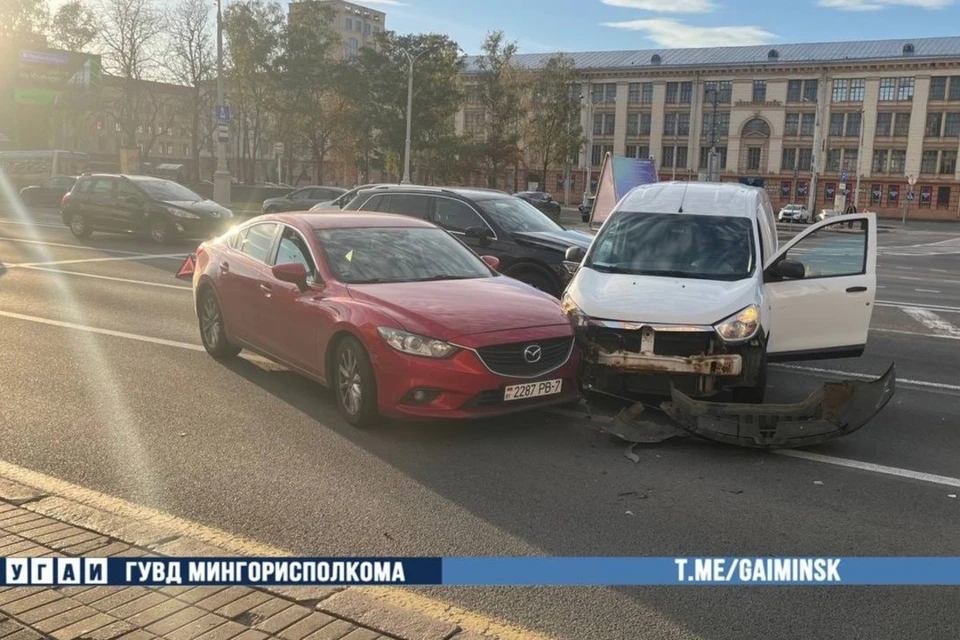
(675, 245)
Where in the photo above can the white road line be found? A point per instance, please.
(105, 332)
(99, 277)
(140, 256)
(35, 224)
(946, 481)
(71, 246)
(929, 280)
(926, 291)
(916, 334)
(932, 307)
(922, 384)
(932, 321)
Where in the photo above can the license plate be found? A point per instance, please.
(532, 390)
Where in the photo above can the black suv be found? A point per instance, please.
(530, 245)
(161, 208)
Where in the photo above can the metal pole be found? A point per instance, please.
(221, 178)
(407, 144)
(713, 162)
(856, 193)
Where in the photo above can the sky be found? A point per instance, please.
(599, 25)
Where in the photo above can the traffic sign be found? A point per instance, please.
(223, 132)
(910, 196)
(223, 113)
(843, 177)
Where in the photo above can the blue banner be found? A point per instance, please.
(481, 571)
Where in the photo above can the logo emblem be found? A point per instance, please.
(532, 353)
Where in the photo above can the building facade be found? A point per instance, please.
(808, 122)
(358, 26)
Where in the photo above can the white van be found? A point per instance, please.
(686, 287)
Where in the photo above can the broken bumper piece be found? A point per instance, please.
(835, 409)
(705, 365)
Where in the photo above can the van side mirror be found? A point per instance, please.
(790, 269)
(575, 254)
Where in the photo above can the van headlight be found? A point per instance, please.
(741, 326)
(570, 309)
(416, 345)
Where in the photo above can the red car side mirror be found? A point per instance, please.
(292, 272)
(491, 261)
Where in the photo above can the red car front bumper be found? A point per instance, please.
(463, 386)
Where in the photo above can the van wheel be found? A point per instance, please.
(756, 393)
(79, 226)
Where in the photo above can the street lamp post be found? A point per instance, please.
(856, 192)
(713, 164)
(407, 143)
(221, 178)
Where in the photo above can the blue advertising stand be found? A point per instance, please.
(617, 177)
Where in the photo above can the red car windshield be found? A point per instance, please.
(369, 256)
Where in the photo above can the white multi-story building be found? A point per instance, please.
(796, 119)
(357, 25)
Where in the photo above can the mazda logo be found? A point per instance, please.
(532, 353)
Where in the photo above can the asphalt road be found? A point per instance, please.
(138, 410)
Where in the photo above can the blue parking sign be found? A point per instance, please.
(843, 177)
(223, 113)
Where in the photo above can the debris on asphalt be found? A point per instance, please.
(818, 482)
(735, 492)
(951, 495)
(183, 434)
(629, 513)
(630, 454)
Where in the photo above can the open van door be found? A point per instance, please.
(820, 288)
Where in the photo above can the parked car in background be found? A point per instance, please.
(301, 199)
(392, 313)
(529, 245)
(794, 213)
(344, 199)
(48, 193)
(123, 203)
(586, 207)
(827, 213)
(542, 201)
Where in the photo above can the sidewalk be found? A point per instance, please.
(178, 613)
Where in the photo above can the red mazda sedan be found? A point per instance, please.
(394, 314)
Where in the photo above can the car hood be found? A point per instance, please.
(660, 300)
(280, 200)
(203, 207)
(322, 206)
(449, 309)
(560, 240)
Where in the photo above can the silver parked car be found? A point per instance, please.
(794, 213)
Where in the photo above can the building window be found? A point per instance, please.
(833, 160)
(898, 161)
(645, 123)
(792, 124)
(876, 193)
(686, 92)
(682, 157)
(836, 124)
(679, 92)
(667, 157)
(640, 93)
(789, 160)
(807, 123)
(633, 124)
(723, 124)
(943, 197)
(948, 163)
(810, 90)
(888, 89)
(893, 194)
(670, 123)
(794, 90)
(853, 124)
(633, 93)
(673, 92)
(926, 195)
(905, 88)
(352, 47)
(647, 96)
(349, 24)
(938, 88)
(605, 92)
(724, 91)
(366, 28)
(954, 88)
(357, 25)
(850, 157)
(603, 124)
(841, 89)
(638, 151)
(598, 152)
(928, 162)
(683, 125)
(856, 90)
(705, 157)
(884, 123)
(951, 125)
(753, 158)
(805, 159)
(901, 124)
(880, 160)
(376, 29)
(932, 128)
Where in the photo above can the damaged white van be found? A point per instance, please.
(686, 289)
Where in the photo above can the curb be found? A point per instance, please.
(153, 533)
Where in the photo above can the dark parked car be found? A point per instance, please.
(586, 207)
(121, 203)
(346, 198)
(542, 201)
(529, 245)
(301, 199)
(48, 193)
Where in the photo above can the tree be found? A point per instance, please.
(252, 30)
(499, 93)
(555, 134)
(129, 36)
(193, 62)
(23, 22)
(73, 27)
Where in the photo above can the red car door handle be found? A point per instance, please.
(224, 267)
(266, 290)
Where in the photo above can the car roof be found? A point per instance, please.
(475, 193)
(728, 199)
(350, 220)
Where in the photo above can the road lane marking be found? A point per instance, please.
(111, 278)
(933, 478)
(926, 291)
(932, 321)
(71, 246)
(105, 332)
(469, 621)
(923, 384)
(915, 334)
(916, 305)
(138, 256)
(886, 277)
(35, 224)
